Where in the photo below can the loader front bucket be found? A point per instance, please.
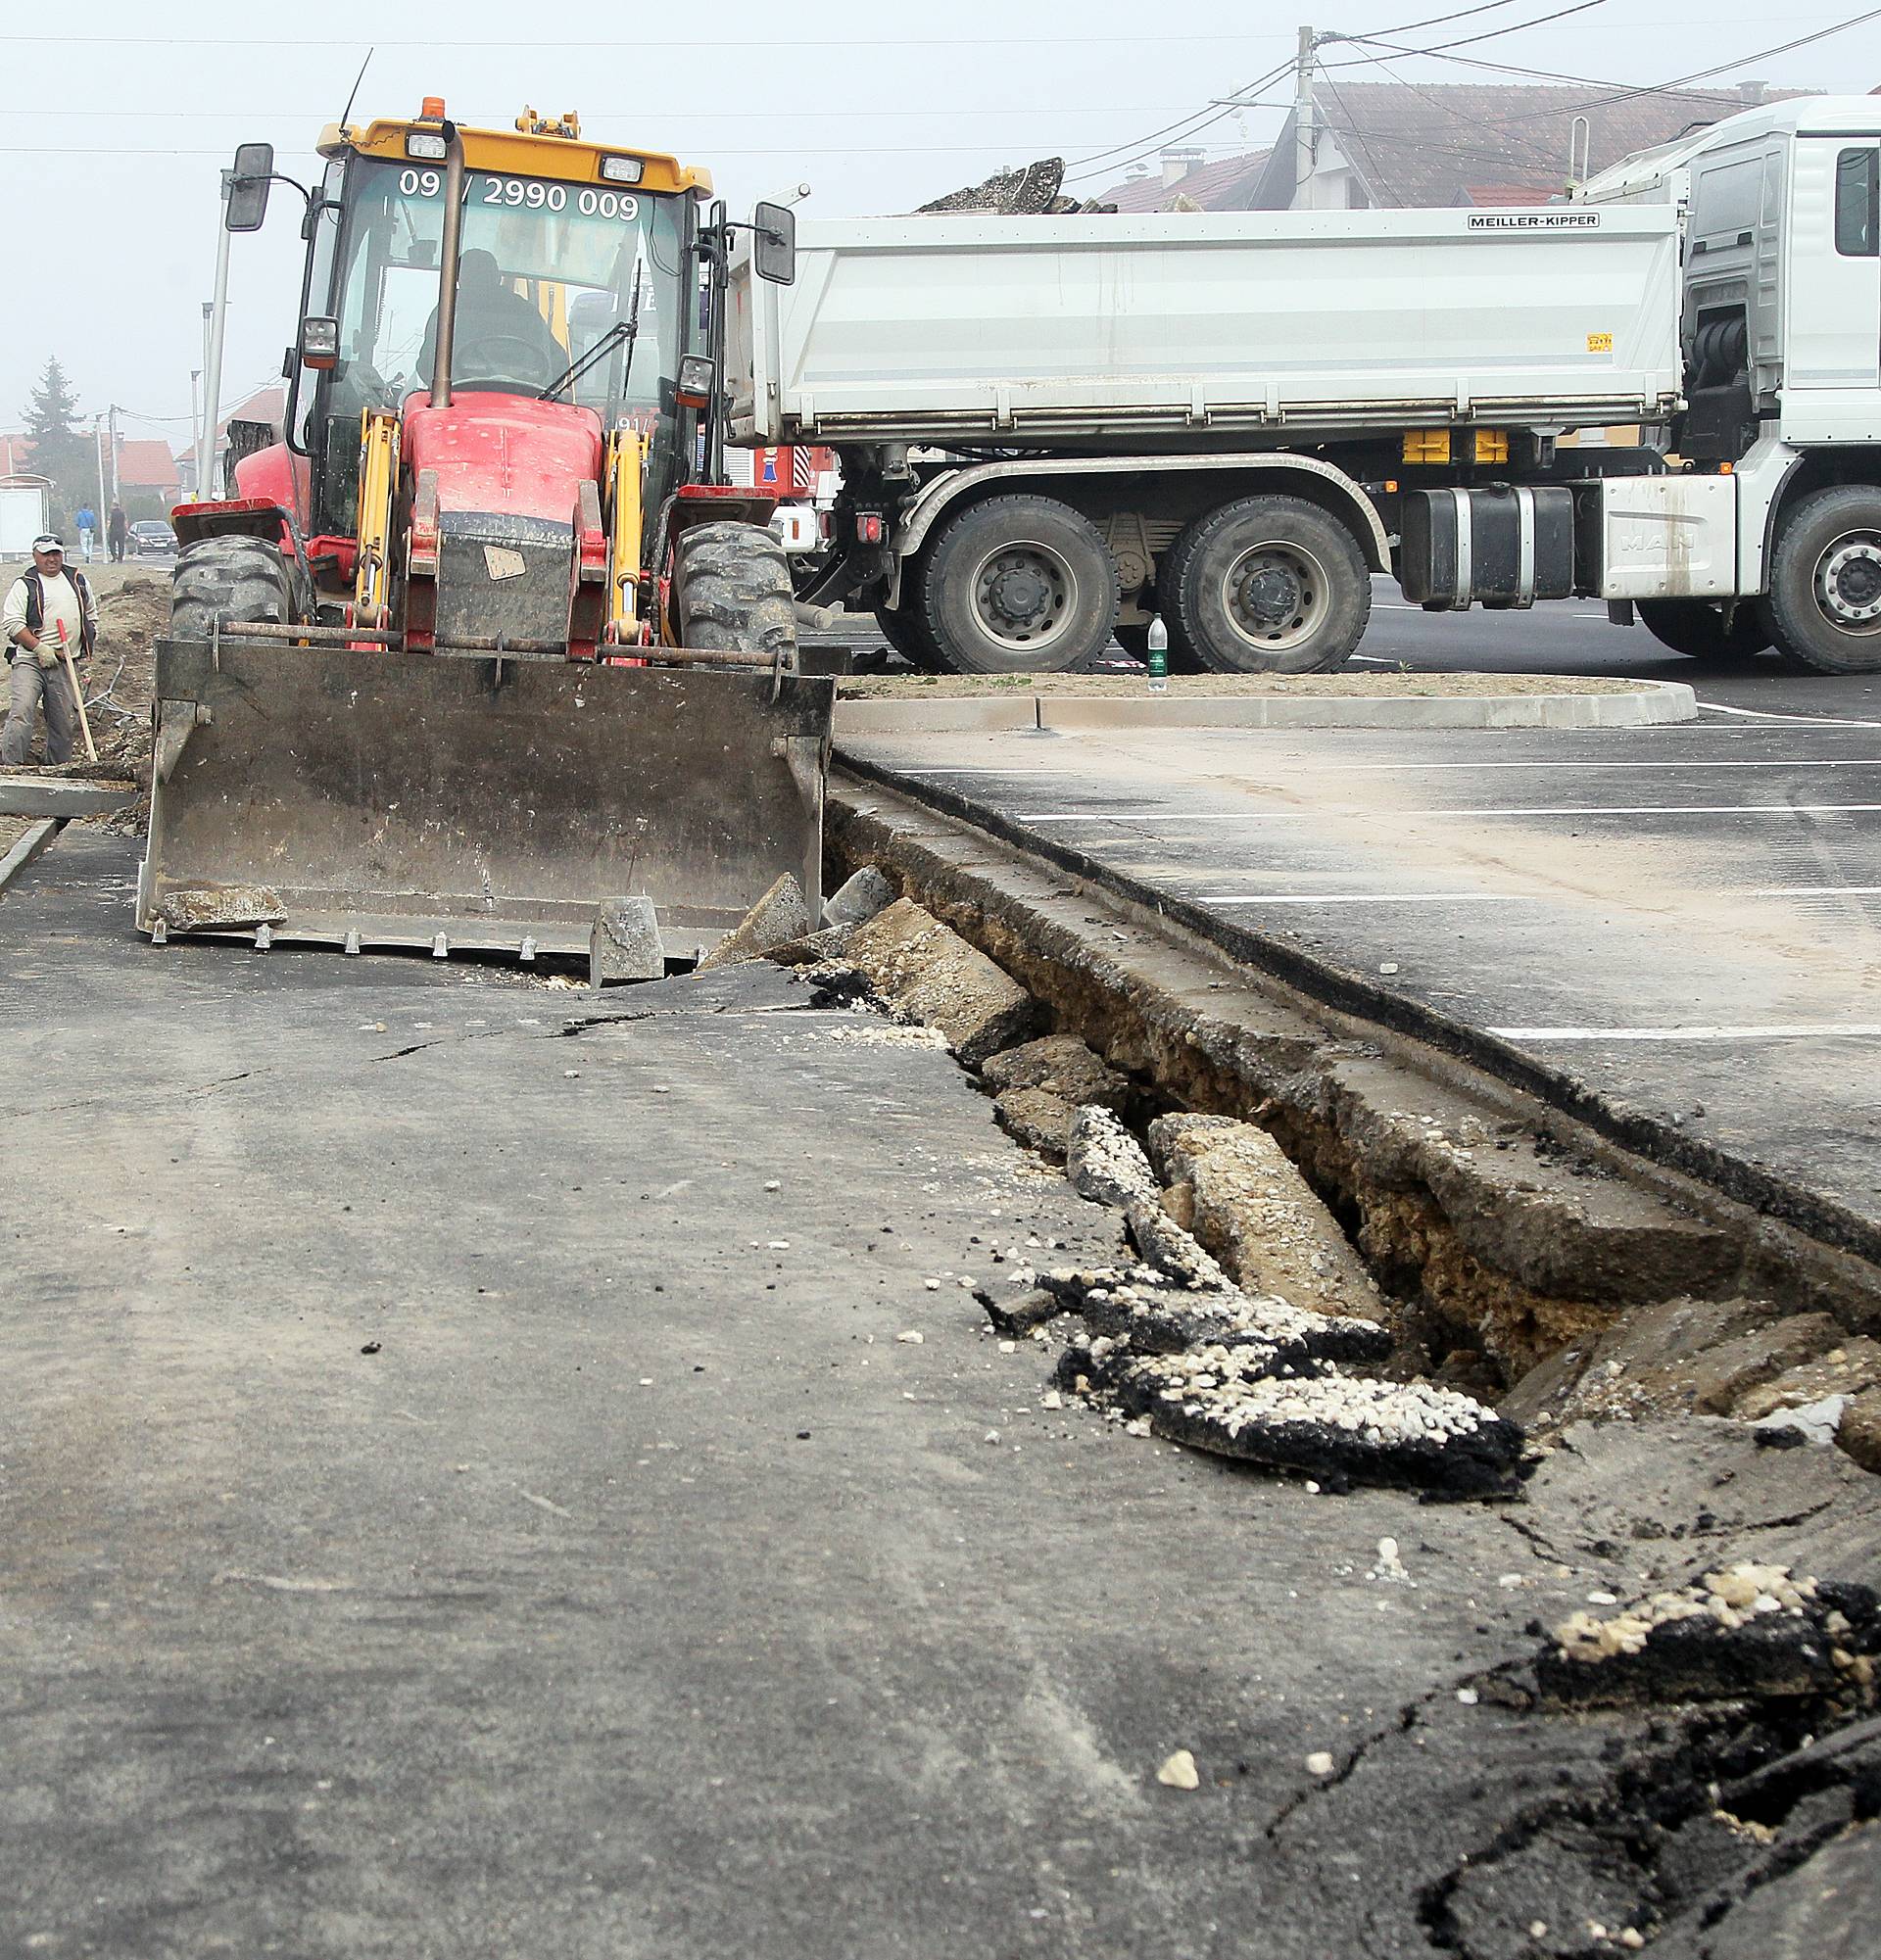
(387, 798)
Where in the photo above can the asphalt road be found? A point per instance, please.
(464, 1494)
(1687, 917)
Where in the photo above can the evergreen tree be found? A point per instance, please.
(61, 450)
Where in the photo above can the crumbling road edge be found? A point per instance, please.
(1326, 984)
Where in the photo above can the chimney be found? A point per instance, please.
(1177, 164)
(1752, 93)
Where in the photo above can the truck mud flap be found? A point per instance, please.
(472, 803)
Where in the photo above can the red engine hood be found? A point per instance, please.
(504, 452)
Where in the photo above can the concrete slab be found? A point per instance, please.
(454, 1503)
(62, 796)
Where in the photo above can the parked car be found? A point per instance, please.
(152, 537)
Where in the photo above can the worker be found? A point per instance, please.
(86, 520)
(117, 533)
(49, 613)
(491, 318)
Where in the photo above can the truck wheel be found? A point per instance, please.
(1823, 609)
(235, 579)
(731, 592)
(1269, 585)
(1695, 626)
(902, 629)
(1019, 585)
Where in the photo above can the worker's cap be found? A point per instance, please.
(46, 541)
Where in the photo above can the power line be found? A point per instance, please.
(1206, 118)
(1439, 20)
(1627, 91)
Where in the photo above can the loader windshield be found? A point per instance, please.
(545, 270)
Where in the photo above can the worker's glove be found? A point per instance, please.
(45, 655)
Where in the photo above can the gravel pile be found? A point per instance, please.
(1249, 1403)
(1744, 1631)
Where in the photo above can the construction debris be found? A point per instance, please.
(1744, 1631)
(858, 898)
(1040, 1086)
(1233, 1186)
(1104, 1162)
(625, 943)
(781, 915)
(930, 974)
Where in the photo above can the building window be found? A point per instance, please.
(1857, 204)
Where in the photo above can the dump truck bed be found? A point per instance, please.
(1186, 331)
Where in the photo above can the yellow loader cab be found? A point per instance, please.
(499, 513)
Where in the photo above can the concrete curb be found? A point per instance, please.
(1646, 704)
(27, 848)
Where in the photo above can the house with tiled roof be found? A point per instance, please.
(1187, 180)
(1393, 145)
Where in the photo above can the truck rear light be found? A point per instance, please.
(868, 527)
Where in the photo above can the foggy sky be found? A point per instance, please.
(111, 187)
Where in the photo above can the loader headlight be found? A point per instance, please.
(694, 388)
(423, 143)
(621, 169)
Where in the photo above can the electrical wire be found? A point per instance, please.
(1627, 91)
(1079, 170)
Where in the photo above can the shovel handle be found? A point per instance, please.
(79, 696)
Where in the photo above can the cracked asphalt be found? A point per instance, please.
(455, 1506)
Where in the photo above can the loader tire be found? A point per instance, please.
(231, 580)
(731, 592)
(1267, 585)
(1696, 627)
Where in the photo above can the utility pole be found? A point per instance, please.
(218, 318)
(1303, 115)
(111, 422)
(98, 442)
(195, 413)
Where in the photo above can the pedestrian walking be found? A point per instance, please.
(117, 533)
(49, 612)
(86, 520)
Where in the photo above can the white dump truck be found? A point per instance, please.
(1056, 428)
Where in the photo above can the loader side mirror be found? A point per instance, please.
(248, 187)
(774, 244)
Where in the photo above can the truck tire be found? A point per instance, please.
(235, 579)
(1823, 609)
(1696, 627)
(902, 629)
(1019, 585)
(731, 592)
(1268, 585)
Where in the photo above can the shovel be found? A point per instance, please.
(77, 693)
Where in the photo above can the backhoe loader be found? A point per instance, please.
(486, 645)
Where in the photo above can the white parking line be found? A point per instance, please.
(1365, 898)
(1818, 892)
(1794, 1033)
(1399, 816)
(1802, 721)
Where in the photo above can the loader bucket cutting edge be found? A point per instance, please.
(332, 793)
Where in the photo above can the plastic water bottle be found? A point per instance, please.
(1158, 656)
